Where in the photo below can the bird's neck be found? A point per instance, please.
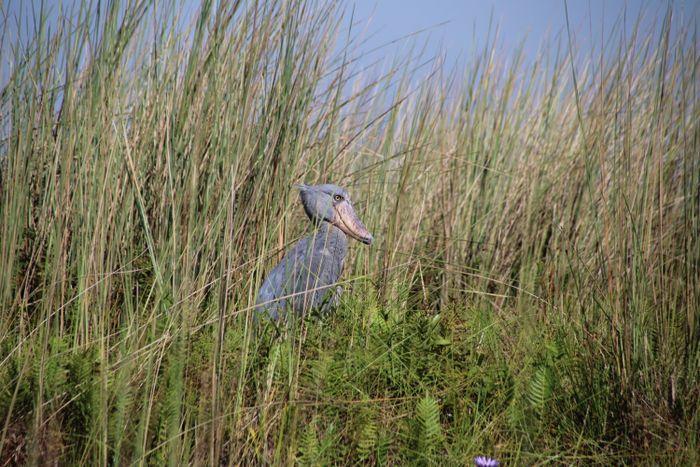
(331, 238)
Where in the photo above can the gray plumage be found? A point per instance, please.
(306, 278)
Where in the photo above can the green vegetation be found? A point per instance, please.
(533, 293)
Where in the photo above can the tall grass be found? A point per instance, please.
(533, 293)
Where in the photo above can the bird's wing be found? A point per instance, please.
(303, 268)
(280, 282)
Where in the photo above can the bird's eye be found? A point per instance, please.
(337, 197)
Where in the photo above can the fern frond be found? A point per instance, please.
(541, 386)
(309, 450)
(428, 429)
(367, 440)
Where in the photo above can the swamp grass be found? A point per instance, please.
(532, 294)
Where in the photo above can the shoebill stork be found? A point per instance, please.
(306, 277)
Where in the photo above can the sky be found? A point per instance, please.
(454, 29)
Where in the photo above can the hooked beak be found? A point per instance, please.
(348, 222)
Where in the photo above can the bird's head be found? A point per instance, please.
(330, 203)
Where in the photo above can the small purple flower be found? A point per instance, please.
(483, 461)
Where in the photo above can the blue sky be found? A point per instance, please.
(456, 28)
(519, 22)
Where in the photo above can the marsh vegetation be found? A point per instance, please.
(532, 292)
